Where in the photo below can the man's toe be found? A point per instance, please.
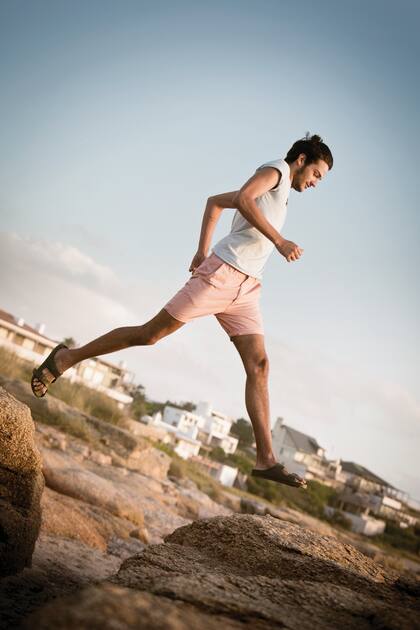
(39, 385)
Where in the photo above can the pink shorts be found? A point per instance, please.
(217, 288)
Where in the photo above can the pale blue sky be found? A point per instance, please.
(118, 119)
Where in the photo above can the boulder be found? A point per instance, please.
(99, 607)
(158, 499)
(66, 475)
(146, 460)
(21, 485)
(242, 571)
(59, 566)
(90, 524)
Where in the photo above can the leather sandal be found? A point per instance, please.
(279, 473)
(50, 365)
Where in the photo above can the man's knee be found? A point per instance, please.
(145, 336)
(258, 366)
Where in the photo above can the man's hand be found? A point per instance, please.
(197, 260)
(289, 250)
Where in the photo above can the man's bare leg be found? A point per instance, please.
(147, 334)
(255, 360)
(254, 357)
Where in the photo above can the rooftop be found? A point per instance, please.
(8, 317)
(301, 441)
(361, 471)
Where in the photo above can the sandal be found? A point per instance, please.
(279, 473)
(49, 363)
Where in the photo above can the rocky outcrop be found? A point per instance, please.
(125, 449)
(21, 485)
(242, 571)
(151, 432)
(59, 566)
(111, 606)
(92, 525)
(66, 475)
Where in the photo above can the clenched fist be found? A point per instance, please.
(289, 250)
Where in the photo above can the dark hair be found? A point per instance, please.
(313, 148)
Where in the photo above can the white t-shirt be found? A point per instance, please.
(245, 247)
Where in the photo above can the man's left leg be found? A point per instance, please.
(254, 357)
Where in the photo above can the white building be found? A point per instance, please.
(191, 430)
(32, 345)
(181, 425)
(299, 452)
(361, 523)
(214, 428)
(367, 494)
(223, 473)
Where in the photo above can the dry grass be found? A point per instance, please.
(76, 427)
(13, 366)
(89, 401)
(79, 396)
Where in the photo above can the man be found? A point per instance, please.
(227, 284)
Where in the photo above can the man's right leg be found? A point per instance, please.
(147, 334)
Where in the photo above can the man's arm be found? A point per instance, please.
(214, 208)
(260, 183)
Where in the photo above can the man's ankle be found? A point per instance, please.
(265, 462)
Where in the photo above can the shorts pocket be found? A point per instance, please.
(208, 266)
(213, 271)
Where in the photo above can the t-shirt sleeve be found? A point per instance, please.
(277, 164)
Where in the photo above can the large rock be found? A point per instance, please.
(66, 475)
(111, 606)
(21, 485)
(242, 571)
(158, 499)
(254, 506)
(59, 567)
(146, 460)
(90, 524)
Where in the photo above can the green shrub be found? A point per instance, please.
(241, 461)
(218, 454)
(312, 500)
(166, 448)
(407, 539)
(338, 518)
(238, 460)
(176, 469)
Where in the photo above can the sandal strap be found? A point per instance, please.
(49, 362)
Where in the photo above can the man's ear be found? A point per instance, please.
(301, 159)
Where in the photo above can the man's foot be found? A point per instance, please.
(54, 365)
(279, 474)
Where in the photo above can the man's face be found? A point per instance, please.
(308, 176)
